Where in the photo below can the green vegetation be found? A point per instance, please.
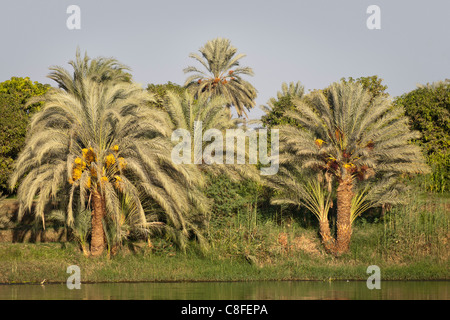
(14, 95)
(95, 146)
(345, 146)
(428, 108)
(95, 184)
(159, 92)
(277, 107)
(409, 243)
(372, 84)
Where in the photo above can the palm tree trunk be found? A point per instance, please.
(327, 238)
(344, 226)
(98, 240)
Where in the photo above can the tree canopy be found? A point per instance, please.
(284, 101)
(159, 92)
(428, 108)
(94, 144)
(276, 107)
(222, 75)
(15, 115)
(345, 136)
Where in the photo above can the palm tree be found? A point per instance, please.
(276, 107)
(298, 187)
(184, 111)
(295, 187)
(95, 142)
(100, 70)
(347, 137)
(223, 75)
(291, 91)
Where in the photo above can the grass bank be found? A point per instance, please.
(408, 243)
(32, 263)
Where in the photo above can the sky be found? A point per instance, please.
(316, 42)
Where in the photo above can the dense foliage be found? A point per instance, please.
(98, 150)
(428, 107)
(94, 146)
(345, 138)
(159, 92)
(284, 101)
(230, 197)
(277, 107)
(15, 115)
(371, 83)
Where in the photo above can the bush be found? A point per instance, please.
(15, 115)
(428, 107)
(228, 196)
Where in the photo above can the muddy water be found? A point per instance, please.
(273, 290)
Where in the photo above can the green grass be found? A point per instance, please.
(32, 263)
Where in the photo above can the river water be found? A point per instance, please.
(259, 290)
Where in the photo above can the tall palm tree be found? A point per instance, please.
(347, 137)
(99, 70)
(223, 75)
(184, 111)
(94, 142)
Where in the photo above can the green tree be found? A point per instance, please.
(22, 89)
(99, 70)
(229, 196)
(346, 137)
(371, 83)
(228, 186)
(93, 143)
(276, 108)
(222, 75)
(14, 95)
(184, 111)
(428, 107)
(159, 91)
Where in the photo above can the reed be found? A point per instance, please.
(418, 229)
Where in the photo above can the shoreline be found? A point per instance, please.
(218, 281)
(410, 244)
(33, 263)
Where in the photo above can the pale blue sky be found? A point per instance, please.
(312, 41)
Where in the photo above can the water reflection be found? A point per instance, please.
(270, 290)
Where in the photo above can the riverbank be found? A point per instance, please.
(409, 243)
(34, 263)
